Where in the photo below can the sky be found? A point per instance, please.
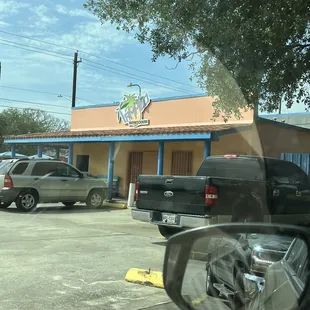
(111, 59)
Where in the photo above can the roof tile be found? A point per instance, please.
(132, 131)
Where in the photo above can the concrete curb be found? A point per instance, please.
(145, 277)
(114, 205)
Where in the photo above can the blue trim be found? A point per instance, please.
(207, 149)
(160, 158)
(115, 104)
(110, 170)
(13, 150)
(40, 150)
(133, 138)
(70, 154)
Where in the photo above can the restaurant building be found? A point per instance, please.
(167, 136)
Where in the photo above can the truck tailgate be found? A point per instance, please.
(175, 194)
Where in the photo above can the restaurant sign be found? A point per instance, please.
(131, 110)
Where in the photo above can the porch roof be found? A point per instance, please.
(196, 132)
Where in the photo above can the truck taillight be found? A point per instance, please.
(210, 195)
(137, 191)
(8, 182)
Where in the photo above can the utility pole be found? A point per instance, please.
(75, 66)
(280, 107)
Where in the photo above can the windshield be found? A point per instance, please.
(124, 123)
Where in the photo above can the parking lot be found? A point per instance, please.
(58, 258)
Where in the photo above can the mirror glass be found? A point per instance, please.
(246, 271)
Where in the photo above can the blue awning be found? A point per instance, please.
(9, 154)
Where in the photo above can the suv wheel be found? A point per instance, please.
(95, 199)
(4, 205)
(27, 201)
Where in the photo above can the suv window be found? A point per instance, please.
(5, 166)
(20, 168)
(245, 169)
(285, 172)
(44, 168)
(67, 171)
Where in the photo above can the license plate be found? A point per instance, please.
(169, 218)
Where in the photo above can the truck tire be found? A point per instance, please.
(167, 231)
(27, 200)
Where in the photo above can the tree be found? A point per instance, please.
(17, 122)
(244, 52)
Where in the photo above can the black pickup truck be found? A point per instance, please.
(227, 188)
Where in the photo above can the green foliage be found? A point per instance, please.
(17, 122)
(243, 52)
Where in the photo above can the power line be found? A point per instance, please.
(38, 48)
(99, 57)
(48, 93)
(52, 112)
(35, 103)
(27, 49)
(111, 68)
(140, 77)
(129, 75)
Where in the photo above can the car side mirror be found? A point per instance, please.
(207, 268)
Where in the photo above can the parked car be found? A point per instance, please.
(234, 257)
(30, 181)
(226, 188)
(286, 280)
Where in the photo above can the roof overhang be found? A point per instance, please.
(129, 138)
(181, 133)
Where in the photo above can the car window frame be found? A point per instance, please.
(15, 165)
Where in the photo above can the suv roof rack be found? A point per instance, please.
(33, 159)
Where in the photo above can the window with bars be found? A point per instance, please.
(182, 163)
(135, 165)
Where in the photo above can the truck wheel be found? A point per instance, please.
(95, 198)
(4, 205)
(167, 232)
(27, 201)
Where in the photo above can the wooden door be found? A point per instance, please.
(182, 163)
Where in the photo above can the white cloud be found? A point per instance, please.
(61, 9)
(9, 7)
(4, 24)
(43, 17)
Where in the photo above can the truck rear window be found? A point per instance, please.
(231, 168)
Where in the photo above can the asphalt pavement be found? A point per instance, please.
(58, 258)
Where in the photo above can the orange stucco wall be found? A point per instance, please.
(275, 140)
(234, 143)
(267, 140)
(177, 112)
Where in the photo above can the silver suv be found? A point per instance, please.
(30, 181)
